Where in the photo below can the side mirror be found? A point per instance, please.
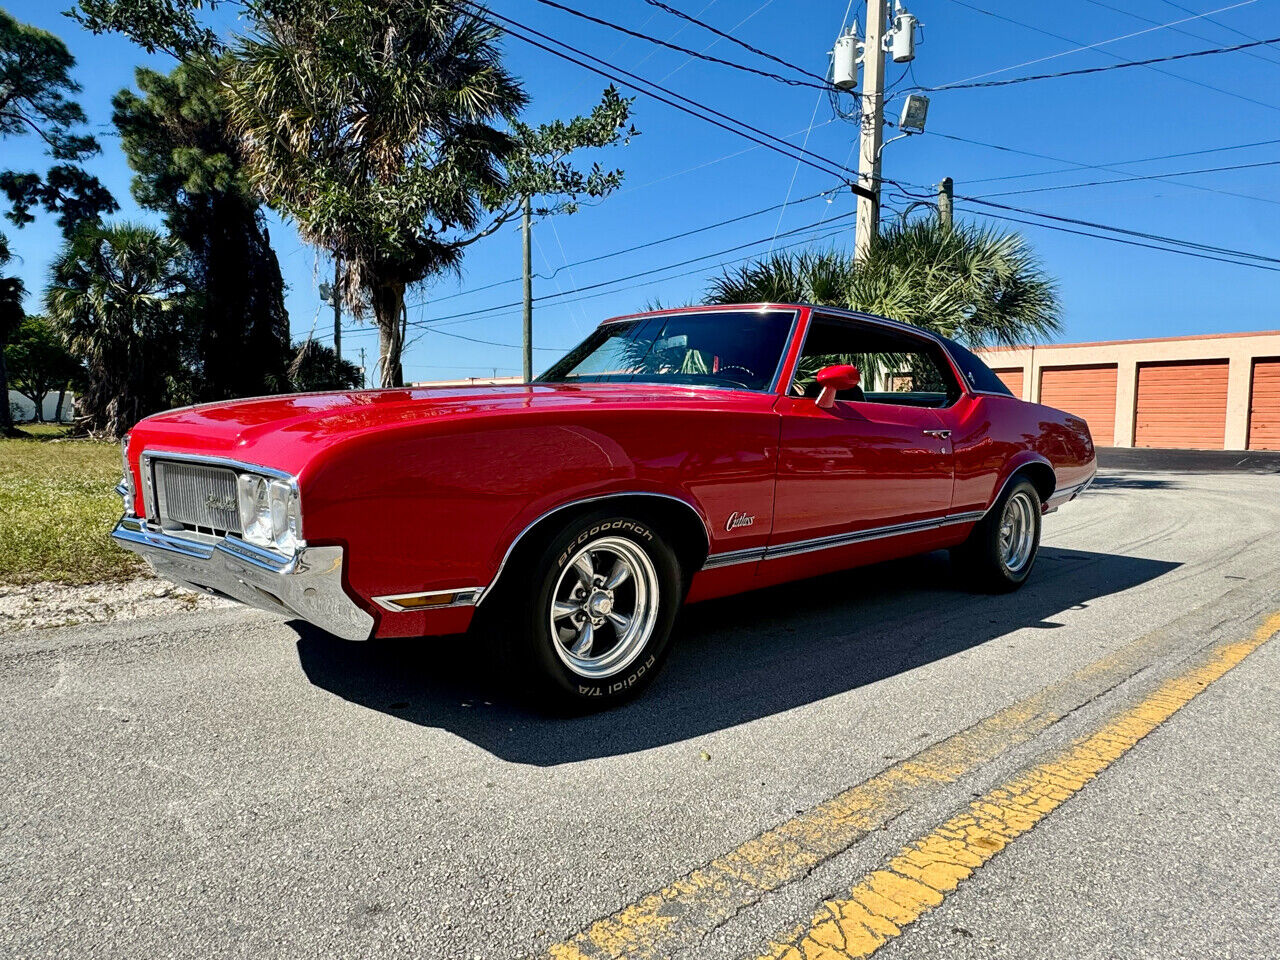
(840, 376)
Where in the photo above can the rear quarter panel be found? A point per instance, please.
(435, 507)
(994, 435)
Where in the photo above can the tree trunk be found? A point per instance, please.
(388, 306)
(62, 397)
(6, 414)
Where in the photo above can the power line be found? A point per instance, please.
(732, 39)
(1216, 23)
(1256, 54)
(1136, 177)
(1107, 53)
(632, 276)
(732, 125)
(434, 323)
(1112, 66)
(1131, 243)
(790, 81)
(1125, 231)
(1110, 168)
(1077, 165)
(1081, 47)
(617, 253)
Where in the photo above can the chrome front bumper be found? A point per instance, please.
(308, 585)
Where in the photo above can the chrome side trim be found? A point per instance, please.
(796, 547)
(1067, 494)
(731, 557)
(577, 503)
(466, 597)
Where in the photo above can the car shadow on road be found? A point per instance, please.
(734, 660)
(1122, 482)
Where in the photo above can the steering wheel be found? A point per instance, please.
(735, 366)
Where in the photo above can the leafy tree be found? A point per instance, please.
(389, 133)
(38, 362)
(35, 84)
(318, 367)
(12, 293)
(189, 168)
(118, 295)
(976, 285)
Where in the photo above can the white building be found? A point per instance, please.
(24, 410)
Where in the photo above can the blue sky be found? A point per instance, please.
(682, 173)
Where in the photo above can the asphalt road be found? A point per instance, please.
(225, 784)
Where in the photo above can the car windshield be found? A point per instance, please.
(724, 348)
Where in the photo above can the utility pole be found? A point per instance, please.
(364, 381)
(337, 310)
(946, 193)
(527, 340)
(872, 136)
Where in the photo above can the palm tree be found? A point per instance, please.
(11, 293)
(389, 133)
(976, 285)
(117, 294)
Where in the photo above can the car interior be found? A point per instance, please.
(896, 368)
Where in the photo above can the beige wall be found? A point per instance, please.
(1238, 349)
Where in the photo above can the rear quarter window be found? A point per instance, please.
(975, 371)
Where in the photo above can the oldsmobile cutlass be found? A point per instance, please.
(672, 457)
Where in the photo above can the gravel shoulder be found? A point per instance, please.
(47, 605)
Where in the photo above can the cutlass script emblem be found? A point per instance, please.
(737, 520)
(215, 502)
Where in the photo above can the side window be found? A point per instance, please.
(976, 372)
(896, 368)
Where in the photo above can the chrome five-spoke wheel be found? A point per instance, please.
(1017, 531)
(603, 607)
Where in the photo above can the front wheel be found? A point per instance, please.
(1002, 548)
(592, 614)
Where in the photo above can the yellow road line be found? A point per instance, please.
(920, 877)
(676, 916)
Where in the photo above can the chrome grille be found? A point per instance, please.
(198, 496)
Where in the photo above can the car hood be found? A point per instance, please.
(286, 431)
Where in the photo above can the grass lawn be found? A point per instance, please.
(57, 507)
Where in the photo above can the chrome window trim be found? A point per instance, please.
(466, 597)
(770, 390)
(816, 313)
(577, 503)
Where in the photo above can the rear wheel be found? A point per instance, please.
(1002, 548)
(589, 616)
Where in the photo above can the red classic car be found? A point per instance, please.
(673, 456)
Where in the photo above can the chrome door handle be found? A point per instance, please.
(938, 433)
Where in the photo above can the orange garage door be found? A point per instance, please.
(1182, 405)
(1012, 379)
(1088, 392)
(1264, 406)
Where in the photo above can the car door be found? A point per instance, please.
(877, 459)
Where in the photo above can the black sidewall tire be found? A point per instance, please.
(980, 557)
(554, 684)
